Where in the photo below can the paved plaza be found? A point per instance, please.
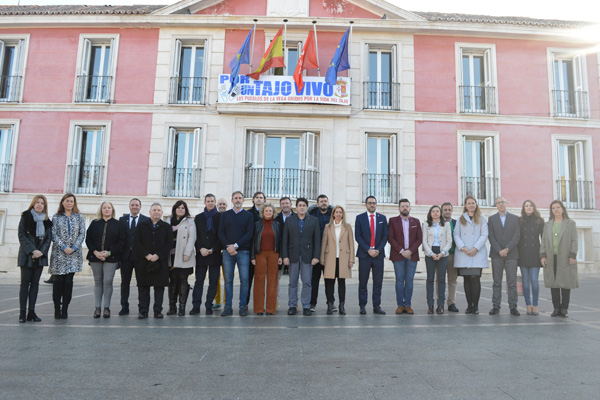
(449, 356)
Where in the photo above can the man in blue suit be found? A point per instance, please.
(371, 233)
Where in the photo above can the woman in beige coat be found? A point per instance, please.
(183, 257)
(560, 267)
(337, 255)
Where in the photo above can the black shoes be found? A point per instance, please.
(181, 312)
(227, 311)
(124, 311)
(106, 313)
(244, 311)
(342, 309)
(515, 312)
(209, 311)
(475, 310)
(293, 311)
(97, 312)
(452, 308)
(378, 310)
(306, 312)
(196, 311)
(564, 312)
(363, 311)
(494, 311)
(172, 309)
(31, 316)
(22, 318)
(439, 310)
(142, 315)
(64, 313)
(429, 309)
(469, 310)
(329, 308)
(158, 315)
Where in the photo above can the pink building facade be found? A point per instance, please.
(440, 106)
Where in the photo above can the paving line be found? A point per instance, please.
(44, 303)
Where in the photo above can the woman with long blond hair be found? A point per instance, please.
(471, 256)
(35, 237)
(105, 239)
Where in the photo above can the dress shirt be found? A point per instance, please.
(406, 230)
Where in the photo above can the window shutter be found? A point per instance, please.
(366, 153)
(177, 58)
(461, 67)
(367, 72)
(1, 57)
(100, 150)
(86, 57)
(5, 146)
(554, 72)
(310, 151)
(196, 154)
(257, 142)
(77, 138)
(171, 148)
(111, 54)
(579, 161)
(393, 154)
(487, 67)
(578, 60)
(489, 157)
(300, 44)
(394, 64)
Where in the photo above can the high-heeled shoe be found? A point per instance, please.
(32, 316)
(535, 311)
(97, 312)
(22, 318)
(529, 310)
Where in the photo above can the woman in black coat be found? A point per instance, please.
(152, 244)
(532, 227)
(105, 239)
(35, 238)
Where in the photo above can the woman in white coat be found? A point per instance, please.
(471, 256)
(183, 257)
(437, 241)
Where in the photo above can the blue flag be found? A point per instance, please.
(241, 57)
(339, 62)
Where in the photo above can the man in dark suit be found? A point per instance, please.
(371, 233)
(130, 222)
(300, 249)
(208, 255)
(504, 233)
(258, 199)
(405, 238)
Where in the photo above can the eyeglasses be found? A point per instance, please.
(371, 202)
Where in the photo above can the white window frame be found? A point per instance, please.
(488, 51)
(75, 125)
(588, 161)
(199, 144)
(394, 137)
(86, 40)
(13, 125)
(395, 48)
(3, 213)
(494, 172)
(579, 63)
(22, 42)
(298, 46)
(177, 42)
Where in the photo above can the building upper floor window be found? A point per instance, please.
(568, 84)
(477, 77)
(181, 175)
(574, 183)
(11, 68)
(291, 54)
(480, 167)
(96, 69)
(381, 178)
(7, 154)
(282, 164)
(381, 87)
(88, 159)
(188, 78)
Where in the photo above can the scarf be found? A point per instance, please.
(39, 219)
(175, 221)
(210, 227)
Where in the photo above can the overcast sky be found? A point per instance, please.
(578, 10)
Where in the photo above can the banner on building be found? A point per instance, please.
(283, 89)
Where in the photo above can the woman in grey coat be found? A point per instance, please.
(471, 256)
(560, 269)
(35, 236)
(68, 232)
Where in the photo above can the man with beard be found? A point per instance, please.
(322, 212)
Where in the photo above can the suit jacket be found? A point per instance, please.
(208, 240)
(362, 234)
(504, 237)
(305, 246)
(396, 238)
(128, 254)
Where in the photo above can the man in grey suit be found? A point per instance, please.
(300, 249)
(504, 232)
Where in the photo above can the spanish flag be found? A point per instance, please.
(273, 57)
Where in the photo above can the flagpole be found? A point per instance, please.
(317, 46)
(252, 49)
(350, 40)
(284, 45)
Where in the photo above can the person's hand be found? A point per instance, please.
(406, 254)
(350, 264)
(68, 250)
(279, 261)
(154, 258)
(186, 258)
(36, 254)
(148, 257)
(231, 250)
(436, 257)
(544, 261)
(253, 262)
(286, 261)
(373, 253)
(465, 250)
(503, 253)
(204, 252)
(314, 261)
(472, 252)
(572, 261)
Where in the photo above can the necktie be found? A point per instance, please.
(372, 231)
(132, 227)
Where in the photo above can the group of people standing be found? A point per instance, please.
(310, 243)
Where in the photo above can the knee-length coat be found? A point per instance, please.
(328, 251)
(566, 274)
(150, 240)
(67, 231)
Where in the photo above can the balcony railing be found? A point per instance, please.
(385, 187)
(187, 90)
(85, 179)
(576, 194)
(382, 96)
(10, 88)
(181, 182)
(94, 89)
(5, 171)
(570, 103)
(478, 99)
(279, 182)
(485, 190)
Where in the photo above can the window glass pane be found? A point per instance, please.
(474, 158)
(91, 145)
(372, 155)
(273, 152)
(568, 75)
(5, 144)
(466, 74)
(95, 60)
(562, 165)
(478, 74)
(106, 60)
(292, 61)
(372, 66)
(386, 67)
(186, 62)
(385, 156)
(183, 149)
(292, 153)
(199, 62)
(9, 55)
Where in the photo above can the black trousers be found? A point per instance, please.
(213, 282)
(317, 271)
(329, 285)
(472, 285)
(30, 283)
(144, 298)
(250, 279)
(62, 289)
(178, 284)
(127, 268)
(560, 297)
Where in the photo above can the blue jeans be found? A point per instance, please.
(530, 278)
(405, 273)
(440, 266)
(242, 258)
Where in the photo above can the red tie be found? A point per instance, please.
(372, 231)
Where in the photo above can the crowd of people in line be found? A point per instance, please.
(309, 243)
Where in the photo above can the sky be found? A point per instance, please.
(577, 10)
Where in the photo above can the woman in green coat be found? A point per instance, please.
(558, 253)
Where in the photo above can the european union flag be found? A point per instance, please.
(339, 62)
(241, 57)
